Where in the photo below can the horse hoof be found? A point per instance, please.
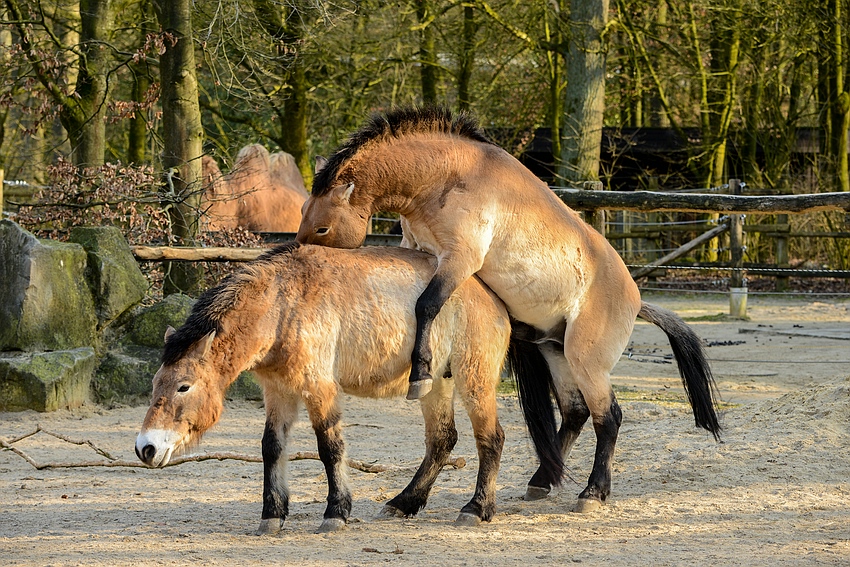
(467, 519)
(388, 512)
(331, 525)
(536, 493)
(419, 389)
(269, 526)
(587, 505)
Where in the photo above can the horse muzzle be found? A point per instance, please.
(154, 447)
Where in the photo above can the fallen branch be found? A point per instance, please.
(457, 462)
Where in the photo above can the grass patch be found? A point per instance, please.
(718, 317)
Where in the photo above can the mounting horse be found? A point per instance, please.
(480, 211)
(312, 322)
(262, 192)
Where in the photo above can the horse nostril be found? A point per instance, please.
(148, 453)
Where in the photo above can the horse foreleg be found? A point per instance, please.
(440, 439)
(325, 417)
(280, 415)
(451, 272)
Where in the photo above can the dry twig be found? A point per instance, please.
(457, 462)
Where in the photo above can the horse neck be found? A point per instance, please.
(243, 342)
(407, 169)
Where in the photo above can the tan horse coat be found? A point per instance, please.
(480, 211)
(263, 192)
(312, 322)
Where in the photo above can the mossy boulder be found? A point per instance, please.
(46, 303)
(149, 324)
(125, 375)
(113, 275)
(46, 381)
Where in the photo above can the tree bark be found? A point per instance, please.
(427, 51)
(467, 59)
(83, 113)
(182, 137)
(584, 103)
(282, 23)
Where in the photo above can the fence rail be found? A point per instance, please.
(655, 201)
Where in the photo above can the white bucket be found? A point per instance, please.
(738, 302)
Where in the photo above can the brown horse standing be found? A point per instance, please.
(262, 192)
(312, 322)
(481, 212)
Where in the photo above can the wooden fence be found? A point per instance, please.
(593, 202)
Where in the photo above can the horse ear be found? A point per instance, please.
(320, 163)
(205, 344)
(169, 331)
(344, 195)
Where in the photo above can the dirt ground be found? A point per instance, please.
(776, 491)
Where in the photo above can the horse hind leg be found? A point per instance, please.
(440, 439)
(574, 414)
(489, 440)
(592, 345)
(280, 415)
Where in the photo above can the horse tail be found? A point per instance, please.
(693, 365)
(534, 385)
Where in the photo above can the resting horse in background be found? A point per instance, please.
(312, 322)
(262, 192)
(480, 211)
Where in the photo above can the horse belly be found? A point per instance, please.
(541, 285)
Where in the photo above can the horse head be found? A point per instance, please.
(186, 402)
(330, 219)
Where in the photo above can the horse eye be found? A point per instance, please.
(183, 388)
(322, 231)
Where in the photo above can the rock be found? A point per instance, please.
(149, 324)
(125, 375)
(113, 275)
(46, 381)
(46, 303)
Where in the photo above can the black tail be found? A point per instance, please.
(693, 365)
(534, 384)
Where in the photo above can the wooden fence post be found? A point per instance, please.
(595, 218)
(654, 245)
(782, 260)
(737, 285)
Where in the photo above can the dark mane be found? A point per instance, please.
(397, 123)
(214, 303)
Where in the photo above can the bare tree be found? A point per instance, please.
(183, 136)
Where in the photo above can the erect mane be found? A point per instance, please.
(213, 305)
(397, 123)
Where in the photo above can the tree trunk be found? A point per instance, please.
(87, 126)
(584, 103)
(427, 51)
(138, 135)
(467, 59)
(283, 24)
(83, 113)
(182, 137)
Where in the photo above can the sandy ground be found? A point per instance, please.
(776, 491)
